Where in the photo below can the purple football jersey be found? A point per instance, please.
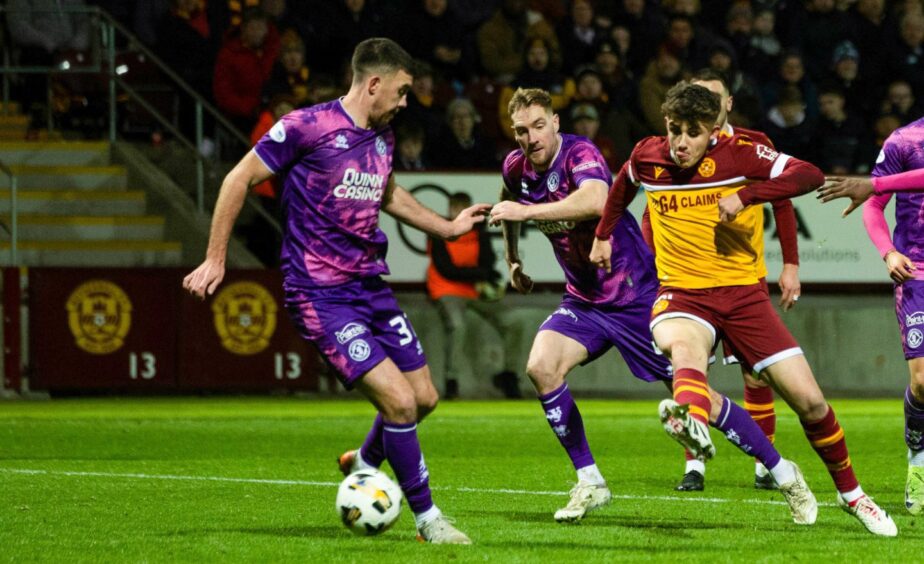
(904, 151)
(335, 177)
(578, 160)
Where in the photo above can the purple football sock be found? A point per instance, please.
(743, 432)
(914, 421)
(565, 419)
(403, 453)
(373, 451)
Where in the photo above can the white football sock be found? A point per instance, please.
(359, 463)
(591, 475)
(852, 495)
(427, 516)
(695, 464)
(784, 472)
(760, 470)
(915, 457)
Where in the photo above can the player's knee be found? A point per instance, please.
(814, 408)
(401, 408)
(544, 375)
(917, 385)
(426, 403)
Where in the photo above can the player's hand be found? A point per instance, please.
(857, 189)
(518, 279)
(205, 279)
(600, 254)
(900, 267)
(508, 211)
(729, 207)
(467, 218)
(789, 286)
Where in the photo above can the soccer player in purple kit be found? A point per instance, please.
(336, 159)
(560, 182)
(900, 170)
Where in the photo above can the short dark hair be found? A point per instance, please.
(710, 75)
(380, 54)
(691, 103)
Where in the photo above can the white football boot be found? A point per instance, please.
(686, 430)
(441, 531)
(585, 497)
(802, 504)
(873, 517)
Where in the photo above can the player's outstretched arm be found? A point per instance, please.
(585, 203)
(776, 180)
(859, 189)
(400, 204)
(511, 230)
(208, 275)
(784, 214)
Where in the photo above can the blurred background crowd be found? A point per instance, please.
(827, 80)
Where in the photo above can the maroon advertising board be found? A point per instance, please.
(102, 328)
(241, 338)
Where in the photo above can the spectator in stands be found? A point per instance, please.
(900, 102)
(688, 42)
(617, 80)
(421, 107)
(431, 32)
(502, 38)
(244, 64)
(906, 58)
(536, 73)
(410, 140)
(290, 73)
(870, 30)
(739, 23)
(579, 33)
(322, 88)
(461, 145)
(859, 94)
(188, 44)
(746, 110)
(458, 270)
(791, 72)
(838, 136)
(764, 47)
(662, 73)
(820, 28)
(585, 121)
(337, 27)
(589, 89)
(883, 126)
(787, 123)
(646, 25)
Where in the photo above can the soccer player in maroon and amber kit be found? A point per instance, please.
(560, 182)
(336, 159)
(701, 190)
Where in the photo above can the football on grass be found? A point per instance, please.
(368, 502)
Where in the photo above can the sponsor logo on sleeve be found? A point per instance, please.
(586, 166)
(278, 132)
(881, 157)
(340, 142)
(765, 152)
(658, 172)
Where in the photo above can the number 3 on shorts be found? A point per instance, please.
(405, 330)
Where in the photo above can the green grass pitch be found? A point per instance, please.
(126, 480)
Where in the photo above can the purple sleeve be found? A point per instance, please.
(586, 163)
(507, 170)
(891, 159)
(289, 138)
(911, 181)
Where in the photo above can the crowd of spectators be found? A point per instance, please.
(827, 80)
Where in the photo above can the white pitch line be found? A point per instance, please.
(316, 484)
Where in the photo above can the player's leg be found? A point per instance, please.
(393, 395)
(687, 341)
(794, 381)
(452, 315)
(914, 436)
(758, 401)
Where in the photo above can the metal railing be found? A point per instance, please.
(13, 228)
(107, 33)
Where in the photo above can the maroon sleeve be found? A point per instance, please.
(647, 232)
(796, 178)
(785, 215)
(621, 194)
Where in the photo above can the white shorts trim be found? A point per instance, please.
(680, 314)
(396, 430)
(773, 359)
(268, 167)
(730, 359)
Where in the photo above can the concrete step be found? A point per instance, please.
(10, 107)
(37, 228)
(17, 134)
(75, 202)
(75, 177)
(13, 121)
(94, 253)
(43, 153)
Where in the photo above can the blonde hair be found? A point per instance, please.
(526, 97)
